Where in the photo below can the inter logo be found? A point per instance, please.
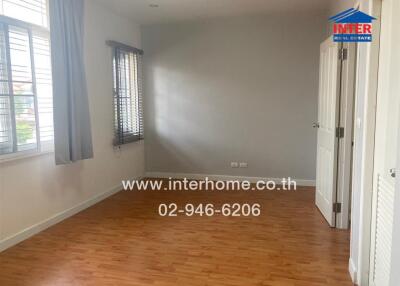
(352, 25)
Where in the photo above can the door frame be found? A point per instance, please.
(371, 56)
(345, 149)
(395, 260)
(366, 217)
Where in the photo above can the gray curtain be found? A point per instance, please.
(72, 128)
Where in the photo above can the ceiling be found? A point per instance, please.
(182, 10)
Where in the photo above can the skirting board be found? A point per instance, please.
(353, 271)
(32, 230)
(300, 182)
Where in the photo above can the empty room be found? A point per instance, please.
(199, 142)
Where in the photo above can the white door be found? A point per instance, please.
(329, 92)
(386, 138)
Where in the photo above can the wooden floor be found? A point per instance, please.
(123, 241)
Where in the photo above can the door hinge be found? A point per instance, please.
(340, 132)
(337, 208)
(343, 54)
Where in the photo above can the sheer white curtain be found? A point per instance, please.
(72, 128)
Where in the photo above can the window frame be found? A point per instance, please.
(45, 147)
(131, 137)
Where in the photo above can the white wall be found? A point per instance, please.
(33, 190)
(235, 89)
(335, 7)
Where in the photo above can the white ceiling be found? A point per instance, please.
(181, 10)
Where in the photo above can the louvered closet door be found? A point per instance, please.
(386, 145)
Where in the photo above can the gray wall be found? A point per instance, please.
(242, 89)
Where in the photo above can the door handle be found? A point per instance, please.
(392, 172)
(315, 125)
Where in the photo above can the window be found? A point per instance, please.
(31, 11)
(128, 125)
(26, 101)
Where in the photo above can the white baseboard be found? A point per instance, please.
(353, 271)
(300, 182)
(34, 229)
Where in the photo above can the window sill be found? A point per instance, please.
(23, 155)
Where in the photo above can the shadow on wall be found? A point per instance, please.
(241, 90)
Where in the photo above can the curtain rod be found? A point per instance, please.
(115, 44)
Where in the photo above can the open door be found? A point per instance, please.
(328, 117)
(386, 146)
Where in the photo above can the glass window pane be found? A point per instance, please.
(3, 63)
(126, 101)
(20, 54)
(25, 122)
(6, 136)
(41, 51)
(31, 11)
(26, 111)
